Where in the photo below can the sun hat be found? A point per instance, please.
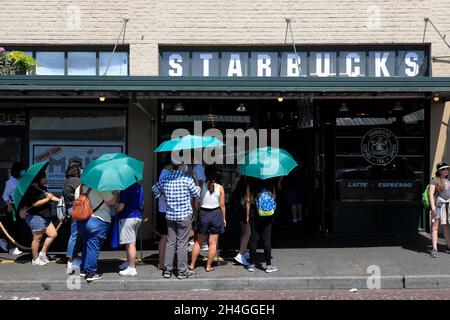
(440, 166)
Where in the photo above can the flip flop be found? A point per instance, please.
(209, 270)
(189, 267)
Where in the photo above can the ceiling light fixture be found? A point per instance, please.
(178, 108)
(241, 108)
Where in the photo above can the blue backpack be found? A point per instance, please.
(265, 204)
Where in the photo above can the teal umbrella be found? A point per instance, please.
(25, 184)
(189, 142)
(267, 162)
(112, 171)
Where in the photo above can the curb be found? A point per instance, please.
(285, 283)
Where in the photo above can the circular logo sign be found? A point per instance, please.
(379, 146)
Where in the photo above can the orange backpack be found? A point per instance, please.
(81, 207)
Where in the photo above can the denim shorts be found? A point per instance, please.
(37, 223)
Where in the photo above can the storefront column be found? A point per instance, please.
(140, 137)
(439, 134)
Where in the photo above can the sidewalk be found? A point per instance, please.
(319, 262)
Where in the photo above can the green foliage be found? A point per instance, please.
(23, 60)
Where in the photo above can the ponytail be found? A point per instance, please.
(211, 186)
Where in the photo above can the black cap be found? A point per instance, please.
(440, 166)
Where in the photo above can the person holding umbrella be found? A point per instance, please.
(37, 213)
(178, 189)
(101, 177)
(265, 165)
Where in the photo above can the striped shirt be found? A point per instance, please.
(178, 189)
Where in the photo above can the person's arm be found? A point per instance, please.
(156, 189)
(247, 203)
(431, 197)
(111, 200)
(222, 205)
(41, 202)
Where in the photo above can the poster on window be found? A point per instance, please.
(60, 155)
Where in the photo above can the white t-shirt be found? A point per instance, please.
(162, 205)
(10, 187)
(95, 198)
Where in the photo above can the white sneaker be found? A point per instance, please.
(15, 251)
(205, 247)
(241, 259)
(38, 262)
(4, 245)
(128, 272)
(43, 257)
(123, 266)
(69, 269)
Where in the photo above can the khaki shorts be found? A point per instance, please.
(128, 230)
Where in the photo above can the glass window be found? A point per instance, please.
(50, 63)
(82, 63)
(380, 151)
(118, 65)
(62, 136)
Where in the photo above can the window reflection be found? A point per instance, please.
(118, 65)
(82, 63)
(50, 63)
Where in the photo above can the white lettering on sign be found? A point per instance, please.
(206, 57)
(174, 62)
(394, 185)
(293, 65)
(349, 59)
(357, 185)
(411, 59)
(264, 62)
(353, 63)
(323, 60)
(235, 67)
(380, 64)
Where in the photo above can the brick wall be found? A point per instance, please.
(223, 22)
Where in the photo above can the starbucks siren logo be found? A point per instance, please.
(379, 146)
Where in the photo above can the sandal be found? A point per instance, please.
(209, 270)
(190, 268)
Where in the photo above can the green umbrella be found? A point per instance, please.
(267, 162)
(112, 171)
(189, 142)
(25, 183)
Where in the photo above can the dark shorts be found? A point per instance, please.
(210, 221)
(161, 223)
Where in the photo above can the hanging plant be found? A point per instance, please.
(16, 63)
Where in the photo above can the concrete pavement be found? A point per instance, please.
(317, 262)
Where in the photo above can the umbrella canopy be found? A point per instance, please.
(25, 183)
(189, 142)
(112, 171)
(267, 162)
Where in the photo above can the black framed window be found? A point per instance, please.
(380, 150)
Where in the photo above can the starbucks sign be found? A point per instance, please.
(379, 146)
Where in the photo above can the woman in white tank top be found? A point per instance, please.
(211, 218)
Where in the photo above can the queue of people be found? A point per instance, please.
(180, 197)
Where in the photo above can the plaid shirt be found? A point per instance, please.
(178, 188)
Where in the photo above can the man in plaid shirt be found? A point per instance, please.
(178, 189)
